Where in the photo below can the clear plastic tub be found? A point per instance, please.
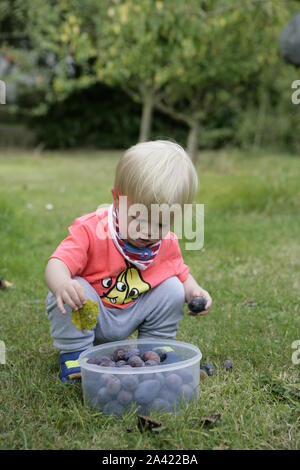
(166, 386)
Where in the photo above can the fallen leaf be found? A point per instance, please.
(148, 424)
(85, 318)
(210, 420)
(248, 302)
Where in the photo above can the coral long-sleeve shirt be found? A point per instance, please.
(90, 252)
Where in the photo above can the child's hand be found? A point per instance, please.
(199, 292)
(72, 293)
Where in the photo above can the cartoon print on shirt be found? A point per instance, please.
(128, 286)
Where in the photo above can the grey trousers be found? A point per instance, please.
(155, 314)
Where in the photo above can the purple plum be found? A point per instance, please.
(113, 386)
(129, 382)
(147, 391)
(151, 356)
(136, 361)
(113, 407)
(131, 352)
(125, 397)
(174, 381)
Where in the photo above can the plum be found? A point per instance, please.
(113, 407)
(125, 397)
(160, 377)
(130, 352)
(92, 361)
(160, 404)
(136, 361)
(102, 396)
(147, 391)
(100, 359)
(143, 377)
(197, 304)
(121, 363)
(174, 381)
(185, 392)
(113, 386)
(162, 354)
(118, 355)
(105, 378)
(151, 356)
(208, 368)
(151, 363)
(186, 376)
(172, 358)
(227, 364)
(129, 382)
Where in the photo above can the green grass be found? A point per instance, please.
(251, 251)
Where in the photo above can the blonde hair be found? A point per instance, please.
(156, 172)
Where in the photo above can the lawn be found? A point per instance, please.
(250, 264)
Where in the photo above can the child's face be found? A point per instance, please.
(140, 226)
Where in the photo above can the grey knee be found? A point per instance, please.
(174, 290)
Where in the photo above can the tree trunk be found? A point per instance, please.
(146, 120)
(193, 140)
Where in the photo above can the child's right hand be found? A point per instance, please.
(72, 293)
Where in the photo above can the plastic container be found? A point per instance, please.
(167, 386)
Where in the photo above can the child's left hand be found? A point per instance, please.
(199, 292)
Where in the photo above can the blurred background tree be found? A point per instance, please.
(106, 74)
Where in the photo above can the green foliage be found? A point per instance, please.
(99, 116)
(209, 66)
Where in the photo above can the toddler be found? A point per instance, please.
(137, 278)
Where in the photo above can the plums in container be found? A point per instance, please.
(113, 386)
(143, 377)
(118, 355)
(136, 361)
(103, 396)
(131, 352)
(125, 397)
(160, 377)
(105, 378)
(129, 382)
(162, 354)
(97, 360)
(174, 381)
(107, 363)
(113, 407)
(186, 376)
(121, 363)
(159, 404)
(186, 392)
(147, 391)
(151, 356)
(151, 363)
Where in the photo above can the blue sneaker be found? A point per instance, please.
(70, 371)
